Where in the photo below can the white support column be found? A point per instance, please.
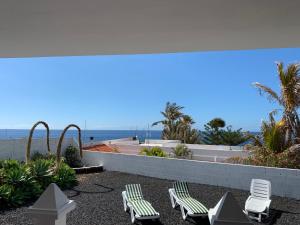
(51, 208)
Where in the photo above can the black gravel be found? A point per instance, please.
(99, 202)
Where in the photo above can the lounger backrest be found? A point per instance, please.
(260, 189)
(134, 192)
(181, 189)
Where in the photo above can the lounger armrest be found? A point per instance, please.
(249, 198)
(268, 203)
(211, 214)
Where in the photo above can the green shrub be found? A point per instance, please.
(154, 151)
(216, 134)
(9, 164)
(65, 176)
(72, 157)
(5, 193)
(37, 155)
(261, 156)
(20, 183)
(181, 150)
(43, 171)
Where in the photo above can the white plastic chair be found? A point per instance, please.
(260, 199)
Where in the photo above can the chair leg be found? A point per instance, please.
(259, 217)
(125, 203)
(132, 215)
(172, 201)
(184, 215)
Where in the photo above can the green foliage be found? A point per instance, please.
(21, 183)
(261, 156)
(5, 192)
(37, 155)
(154, 151)
(233, 137)
(65, 176)
(42, 170)
(177, 125)
(181, 150)
(273, 136)
(288, 99)
(213, 135)
(72, 157)
(9, 164)
(217, 123)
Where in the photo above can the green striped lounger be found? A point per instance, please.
(134, 201)
(189, 206)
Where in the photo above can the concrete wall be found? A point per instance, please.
(285, 182)
(15, 148)
(121, 141)
(200, 152)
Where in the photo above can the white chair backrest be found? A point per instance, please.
(260, 189)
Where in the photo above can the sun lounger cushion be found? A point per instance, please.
(182, 192)
(135, 198)
(143, 208)
(134, 192)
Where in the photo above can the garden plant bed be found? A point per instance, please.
(99, 202)
(88, 169)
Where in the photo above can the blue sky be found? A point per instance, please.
(128, 92)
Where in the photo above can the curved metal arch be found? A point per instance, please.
(58, 152)
(30, 139)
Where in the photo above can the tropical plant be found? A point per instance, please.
(21, 183)
(30, 139)
(177, 126)
(154, 151)
(5, 193)
(42, 171)
(72, 157)
(212, 133)
(215, 135)
(58, 152)
(181, 150)
(172, 115)
(234, 137)
(216, 123)
(261, 156)
(65, 176)
(288, 99)
(37, 155)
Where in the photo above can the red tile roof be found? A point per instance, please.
(100, 148)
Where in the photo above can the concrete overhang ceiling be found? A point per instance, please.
(92, 27)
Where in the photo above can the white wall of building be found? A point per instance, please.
(16, 148)
(285, 182)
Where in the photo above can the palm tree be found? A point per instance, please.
(288, 99)
(58, 152)
(178, 126)
(184, 127)
(171, 116)
(28, 148)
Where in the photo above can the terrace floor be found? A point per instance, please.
(99, 202)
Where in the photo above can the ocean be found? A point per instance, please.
(97, 135)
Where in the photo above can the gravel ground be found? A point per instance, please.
(99, 202)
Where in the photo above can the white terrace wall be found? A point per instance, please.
(15, 148)
(213, 153)
(285, 182)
